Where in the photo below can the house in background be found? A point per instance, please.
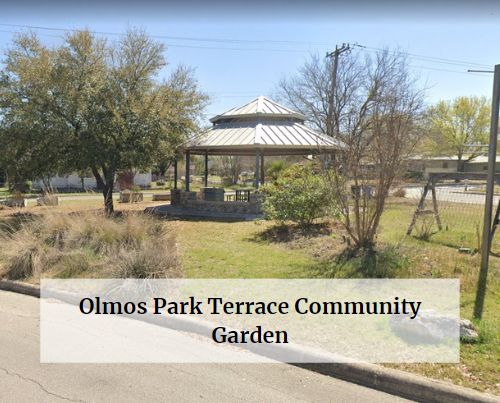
(74, 181)
(444, 164)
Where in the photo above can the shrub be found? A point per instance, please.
(414, 175)
(425, 228)
(275, 168)
(299, 195)
(24, 186)
(390, 261)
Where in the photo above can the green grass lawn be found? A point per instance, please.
(228, 250)
(232, 250)
(240, 250)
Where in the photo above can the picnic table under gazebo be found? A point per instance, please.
(259, 128)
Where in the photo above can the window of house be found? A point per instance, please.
(445, 165)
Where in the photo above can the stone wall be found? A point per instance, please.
(225, 207)
(190, 200)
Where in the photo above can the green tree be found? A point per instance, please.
(455, 126)
(29, 137)
(100, 105)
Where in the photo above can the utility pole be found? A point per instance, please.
(331, 126)
(488, 207)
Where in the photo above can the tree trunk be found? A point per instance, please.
(107, 185)
(460, 162)
(107, 192)
(109, 178)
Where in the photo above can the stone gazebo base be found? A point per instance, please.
(209, 203)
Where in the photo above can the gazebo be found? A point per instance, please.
(259, 128)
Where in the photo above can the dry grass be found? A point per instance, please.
(259, 250)
(87, 244)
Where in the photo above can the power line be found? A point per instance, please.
(446, 70)
(184, 38)
(430, 59)
(175, 45)
(417, 58)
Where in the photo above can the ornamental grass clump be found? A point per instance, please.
(88, 244)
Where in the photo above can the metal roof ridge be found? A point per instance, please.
(259, 108)
(260, 104)
(258, 133)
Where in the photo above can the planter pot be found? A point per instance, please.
(15, 202)
(47, 201)
(131, 197)
(161, 197)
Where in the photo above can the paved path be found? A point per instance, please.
(24, 379)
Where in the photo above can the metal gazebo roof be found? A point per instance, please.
(258, 107)
(263, 126)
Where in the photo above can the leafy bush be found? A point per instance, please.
(300, 195)
(227, 181)
(25, 186)
(414, 175)
(275, 168)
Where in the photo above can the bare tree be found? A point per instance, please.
(230, 167)
(376, 115)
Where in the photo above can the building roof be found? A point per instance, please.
(283, 138)
(434, 158)
(480, 159)
(259, 107)
(261, 125)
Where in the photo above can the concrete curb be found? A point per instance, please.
(388, 380)
(401, 383)
(20, 288)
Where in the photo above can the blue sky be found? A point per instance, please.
(239, 55)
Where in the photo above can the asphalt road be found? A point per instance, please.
(24, 379)
(454, 194)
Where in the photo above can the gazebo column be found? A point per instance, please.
(187, 169)
(206, 168)
(257, 169)
(262, 170)
(175, 173)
